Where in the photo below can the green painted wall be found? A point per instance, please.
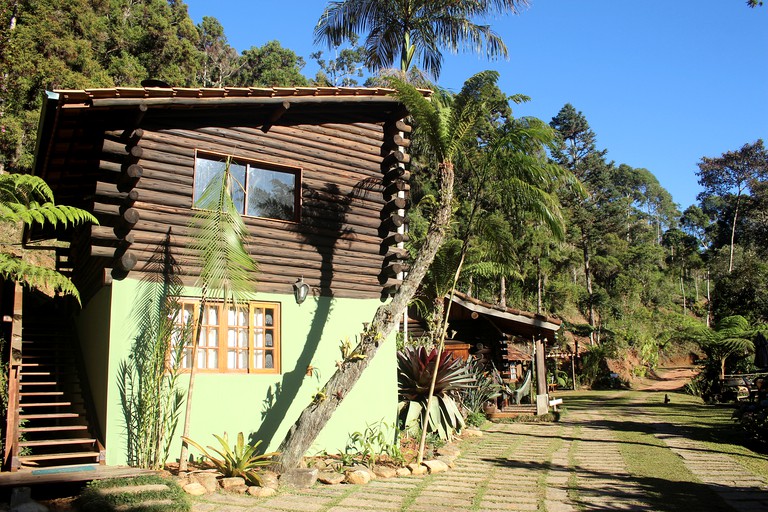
(93, 333)
(265, 406)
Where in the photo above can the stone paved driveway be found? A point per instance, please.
(579, 464)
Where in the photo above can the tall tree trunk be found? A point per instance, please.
(503, 291)
(733, 234)
(316, 415)
(696, 284)
(183, 455)
(588, 276)
(682, 291)
(709, 303)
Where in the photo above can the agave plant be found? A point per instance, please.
(240, 461)
(485, 388)
(414, 374)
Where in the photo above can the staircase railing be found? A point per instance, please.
(11, 455)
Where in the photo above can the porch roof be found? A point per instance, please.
(507, 320)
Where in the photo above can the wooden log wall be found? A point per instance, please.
(354, 193)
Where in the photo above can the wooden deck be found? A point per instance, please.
(68, 474)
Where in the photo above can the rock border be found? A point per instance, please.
(207, 481)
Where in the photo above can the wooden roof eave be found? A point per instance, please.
(239, 101)
(538, 323)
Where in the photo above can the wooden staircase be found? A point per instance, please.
(513, 410)
(52, 421)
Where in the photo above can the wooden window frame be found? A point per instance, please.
(222, 329)
(261, 164)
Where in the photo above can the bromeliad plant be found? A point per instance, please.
(242, 460)
(414, 375)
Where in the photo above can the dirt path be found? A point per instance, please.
(667, 379)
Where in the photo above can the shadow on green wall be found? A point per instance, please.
(323, 224)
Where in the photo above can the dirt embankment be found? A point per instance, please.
(666, 379)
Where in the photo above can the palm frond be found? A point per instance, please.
(226, 266)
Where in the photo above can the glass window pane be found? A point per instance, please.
(258, 317)
(212, 315)
(242, 338)
(213, 359)
(268, 361)
(231, 359)
(258, 338)
(242, 359)
(269, 318)
(258, 359)
(231, 337)
(269, 338)
(207, 171)
(237, 186)
(271, 193)
(213, 338)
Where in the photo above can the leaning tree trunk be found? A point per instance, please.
(316, 415)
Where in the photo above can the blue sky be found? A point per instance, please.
(661, 82)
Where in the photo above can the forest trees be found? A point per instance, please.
(729, 177)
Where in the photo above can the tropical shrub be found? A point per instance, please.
(241, 460)
(753, 418)
(484, 389)
(376, 441)
(476, 419)
(414, 375)
(150, 395)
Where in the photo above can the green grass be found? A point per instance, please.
(93, 500)
(670, 485)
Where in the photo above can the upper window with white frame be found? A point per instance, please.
(242, 338)
(258, 189)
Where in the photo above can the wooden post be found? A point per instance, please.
(542, 402)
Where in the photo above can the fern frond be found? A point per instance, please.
(35, 276)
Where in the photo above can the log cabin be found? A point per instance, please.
(323, 193)
(509, 340)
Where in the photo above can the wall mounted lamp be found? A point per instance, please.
(300, 290)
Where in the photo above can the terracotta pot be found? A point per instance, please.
(489, 408)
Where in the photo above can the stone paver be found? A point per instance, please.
(572, 466)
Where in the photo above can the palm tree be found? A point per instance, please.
(414, 28)
(29, 200)
(227, 270)
(446, 129)
(512, 170)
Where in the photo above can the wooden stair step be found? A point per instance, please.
(58, 442)
(42, 393)
(48, 416)
(54, 428)
(57, 456)
(38, 383)
(45, 404)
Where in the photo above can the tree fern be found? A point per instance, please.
(28, 199)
